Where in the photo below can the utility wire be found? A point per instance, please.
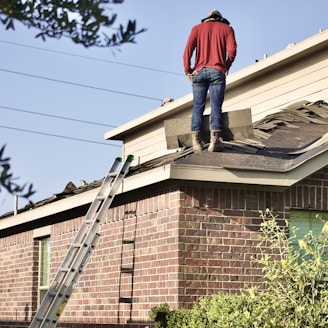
(59, 136)
(92, 58)
(56, 116)
(78, 84)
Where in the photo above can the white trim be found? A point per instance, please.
(42, 232)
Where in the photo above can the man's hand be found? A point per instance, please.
(191, 75)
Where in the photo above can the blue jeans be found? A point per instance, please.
(214, 81)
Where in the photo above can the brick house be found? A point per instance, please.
(184, 224)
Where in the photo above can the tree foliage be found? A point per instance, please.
(86, 22)
(7, 180)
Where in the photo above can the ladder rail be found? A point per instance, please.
(109, 197)
(95, 204)
(71, 253)
(80, 250)
(62, 297)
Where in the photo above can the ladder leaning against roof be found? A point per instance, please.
(78, 254)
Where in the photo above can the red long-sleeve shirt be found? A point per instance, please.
(215, 46)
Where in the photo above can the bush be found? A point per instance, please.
(296, 292)
(164, 317)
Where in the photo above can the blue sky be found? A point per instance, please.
(151, 68)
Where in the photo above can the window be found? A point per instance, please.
(44, 267)
(304, 221)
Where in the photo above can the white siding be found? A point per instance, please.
(147, 144)
(307, 80)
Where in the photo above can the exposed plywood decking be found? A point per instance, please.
(235, 125)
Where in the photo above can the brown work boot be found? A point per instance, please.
(216, 143)
(197, 143)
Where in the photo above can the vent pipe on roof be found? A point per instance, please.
(15, 204)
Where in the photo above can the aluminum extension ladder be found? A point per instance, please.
(78, 254)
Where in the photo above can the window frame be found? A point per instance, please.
(43, 266)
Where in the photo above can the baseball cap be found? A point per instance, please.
(213, 14)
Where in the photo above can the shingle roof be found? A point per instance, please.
(282, 141)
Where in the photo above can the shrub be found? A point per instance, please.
(295, 277)
(164, 317)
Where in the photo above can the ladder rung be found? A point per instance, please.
(77, 245)
(39, 318)
(127, 300)
(103, 197)
(127, 270)
(127, 242)
(64, 269)
(52, 293)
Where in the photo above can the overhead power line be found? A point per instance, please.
(79, 85)
(59, 136)
(56, 116)
(92, 58)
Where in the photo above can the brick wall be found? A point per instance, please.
(219, 232)
(170, 245)
(135, 264)
(17, 276)
(311, 193)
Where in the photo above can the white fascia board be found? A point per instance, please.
(223, 175)
(49, 209)
(146, 178)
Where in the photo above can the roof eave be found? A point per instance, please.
(177, 172)
(282, 178)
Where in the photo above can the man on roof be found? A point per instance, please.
(216, 48)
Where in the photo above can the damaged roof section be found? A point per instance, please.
(280, 142)
(288, 132)
(292, 116)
